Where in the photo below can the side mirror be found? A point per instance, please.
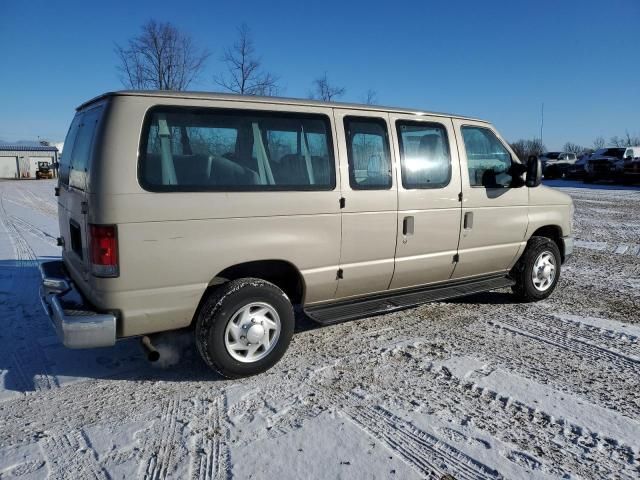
(534, 172)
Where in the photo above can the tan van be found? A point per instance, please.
(222, 212)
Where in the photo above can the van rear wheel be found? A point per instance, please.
(538, 270)
(244, 327)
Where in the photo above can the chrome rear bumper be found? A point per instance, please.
(77, 322)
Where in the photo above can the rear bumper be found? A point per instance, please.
(76, 321)
(568, 247)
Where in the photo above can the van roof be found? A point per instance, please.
(276, 100)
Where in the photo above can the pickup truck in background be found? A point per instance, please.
(556, 164)
(605, 164)
(631, 165)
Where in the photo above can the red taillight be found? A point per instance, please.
(104, 250)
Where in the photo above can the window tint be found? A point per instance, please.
(613, 152)
(489, 163)
(206, 149)
(368, 151)
(69, 142)
(425, 157)
(80, 158)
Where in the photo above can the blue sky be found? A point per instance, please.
(498, 60)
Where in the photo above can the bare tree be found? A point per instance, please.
(598, 143)
(526, 148)
(371, 97)
(630, 141)
(323, 90)
(160, 58)
(571, 147)
(244, 69)
(617, 141)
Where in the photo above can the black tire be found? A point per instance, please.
(588, 179)
(219, 308)
(524, 288)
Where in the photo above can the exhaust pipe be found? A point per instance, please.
(153, 355)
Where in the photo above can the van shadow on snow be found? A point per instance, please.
(32, 358)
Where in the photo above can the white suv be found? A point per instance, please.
(556, 164)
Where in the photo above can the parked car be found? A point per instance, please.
(556, 164)
(221, 212)
(605, 164)
(631, 173)
(577, 169)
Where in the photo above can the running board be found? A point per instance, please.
(344, 310)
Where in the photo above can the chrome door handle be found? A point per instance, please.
(468, 220)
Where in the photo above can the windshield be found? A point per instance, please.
(552, 155)
(613, 152)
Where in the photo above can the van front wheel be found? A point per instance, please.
(244, 327)
(538, 270)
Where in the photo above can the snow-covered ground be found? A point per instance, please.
(476, 388)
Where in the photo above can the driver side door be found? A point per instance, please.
(494, 211)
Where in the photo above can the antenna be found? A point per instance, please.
(541, 122)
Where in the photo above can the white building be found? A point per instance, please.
(21, 161)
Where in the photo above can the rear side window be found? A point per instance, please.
(368, 151)
(69, 142)
(424, 155)
(82, 149)
(195, 149)
(488, 161)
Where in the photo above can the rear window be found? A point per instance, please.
(69, 141)
(552, 155)
(78, 146)
(613, 152)
(196, 149)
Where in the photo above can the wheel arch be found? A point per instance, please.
(553, 233)
(281, 273)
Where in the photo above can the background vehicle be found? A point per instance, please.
(577, 169)
(44, 170)
(221, 212)
(605, 164)
(556, 164)
(631, 159)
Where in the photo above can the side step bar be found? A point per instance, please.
(342, 311)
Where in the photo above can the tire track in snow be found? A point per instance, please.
(24, 279)
(627, 249)
(161, 442)
(69, 455)
(558, 338)
(209, 455)
(522, 426)
(43, 205)
(615, 339)
(37, 232)
(428, 454)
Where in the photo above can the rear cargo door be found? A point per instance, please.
(75, 166)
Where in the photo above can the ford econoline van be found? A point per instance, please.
(222, 212)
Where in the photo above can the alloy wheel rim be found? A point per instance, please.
(252, 332)
(544, 271)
